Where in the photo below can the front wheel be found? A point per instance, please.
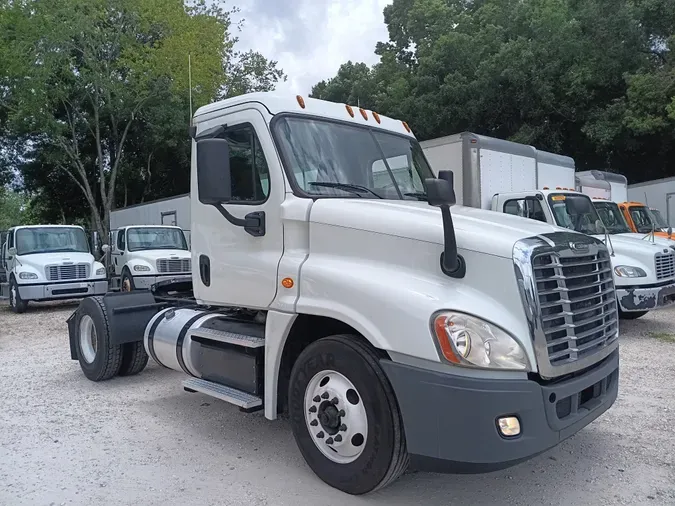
(127, 282)
(17, 304)
(631, 315)
(345, 417)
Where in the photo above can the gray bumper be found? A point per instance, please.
(645, 299)
(146, 282)
(55, 291)
(450, 422)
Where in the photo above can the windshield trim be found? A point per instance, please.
(571, 195)
(155, 227)
(610, 204)
(49, 227)
(286, 166)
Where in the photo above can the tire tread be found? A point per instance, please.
(113, 352)
(134, 359)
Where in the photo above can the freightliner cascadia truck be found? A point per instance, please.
(513, 178)
(334, 279)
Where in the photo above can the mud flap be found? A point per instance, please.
(129, 314)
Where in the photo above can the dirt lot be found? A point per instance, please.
(142, 440)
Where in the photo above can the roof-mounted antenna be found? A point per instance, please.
(191, 129)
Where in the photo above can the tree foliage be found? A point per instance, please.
(94, 96)
(594, 79)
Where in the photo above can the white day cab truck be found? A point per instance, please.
(49, 262)
(333, 281)
(141, 257)
(513, 178)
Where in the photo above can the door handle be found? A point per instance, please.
(205, 269)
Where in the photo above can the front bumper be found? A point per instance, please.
(69, 290)
(637, 298)
(146, 282)
(450, 422)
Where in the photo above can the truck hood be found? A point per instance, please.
(156, 254)
(476, 229)
(636, 253)
(662, 241)
(39, 260)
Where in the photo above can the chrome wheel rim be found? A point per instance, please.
(88, 339)
(336, 417)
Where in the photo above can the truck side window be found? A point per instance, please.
(525, 208)
(248, 167)
(10, 239)
(120, 240)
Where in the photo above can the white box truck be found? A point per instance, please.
(49, 262)
(334, 279)
(516, 179)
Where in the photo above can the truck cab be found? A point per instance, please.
(644, 271)
(144, 255)
(338, 280)
(641, 220)
(49, 262)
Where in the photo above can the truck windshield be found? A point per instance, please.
(35, 240)
(333, 159)
(611, 216)
(642, 219)
(658, 219)
(146, 238)
(575, 212)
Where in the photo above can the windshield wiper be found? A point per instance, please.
(348, 187)
(418, 195)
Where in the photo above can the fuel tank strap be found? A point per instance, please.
(181, 338)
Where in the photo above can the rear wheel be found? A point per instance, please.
(631, 315)
(134, 359)
(17, 304)
(345, 417)
(99, 359)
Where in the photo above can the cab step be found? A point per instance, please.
(224, 336)
(245, 401)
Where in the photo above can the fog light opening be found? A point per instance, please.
(509, 426)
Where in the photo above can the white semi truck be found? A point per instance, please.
(332, 280)
(49, 262)
(517, 179)
(141, 256)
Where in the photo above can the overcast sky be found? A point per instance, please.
(311, 38)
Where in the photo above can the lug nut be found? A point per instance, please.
(314, 423)
(320, 435)
(329, 441)
(325, 395)
(343, 427)
(334, 400)
(341, 413)
(312, 409)
(338, 438)
(317, 399)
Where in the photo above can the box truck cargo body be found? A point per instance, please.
(172, 211)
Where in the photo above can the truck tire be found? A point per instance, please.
(631, 315)
(17, 304)
(99, 359)
(134, 359)
(345, 417)
(127, 284)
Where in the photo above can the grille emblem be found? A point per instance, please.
(578, 247)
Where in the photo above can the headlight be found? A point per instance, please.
(141, 268)
(470, 341)
(27, 275)
(626, 271)
(100, 271)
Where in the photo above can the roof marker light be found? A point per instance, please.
(363, 113)
(350, 110)
(545, 187)
(301, 101)
(376, 116)
(405, 125)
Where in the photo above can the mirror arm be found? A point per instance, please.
(456, 269)
(253, 223)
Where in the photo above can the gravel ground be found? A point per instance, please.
(142, 440)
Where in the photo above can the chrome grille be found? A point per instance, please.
(577, 303)
(67, 272)
(665, 265)
(166, 265)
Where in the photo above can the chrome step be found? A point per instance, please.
(229, 337)
(228, 394)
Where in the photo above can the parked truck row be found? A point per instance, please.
(335, 278)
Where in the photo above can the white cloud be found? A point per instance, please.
(311, 38)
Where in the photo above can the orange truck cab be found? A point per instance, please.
(640, 219)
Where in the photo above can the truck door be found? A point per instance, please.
(118, 245)
(233, 267)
